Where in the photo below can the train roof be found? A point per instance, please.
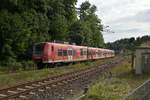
(61, 44)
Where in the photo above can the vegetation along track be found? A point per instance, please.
(56, 87)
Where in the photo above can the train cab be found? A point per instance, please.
(38, 51)
(56, 52)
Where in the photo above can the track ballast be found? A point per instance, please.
(59, 87)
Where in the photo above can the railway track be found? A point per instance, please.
(74, 80)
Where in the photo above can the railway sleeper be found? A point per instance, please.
(41, 90)
(37, 85)
(41, 83)
(32, 93)
(29, 87)
(3, 95)
(21, 89)
(23, 97)
(13, 92)
(67, 85)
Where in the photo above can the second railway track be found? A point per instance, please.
(55, 87)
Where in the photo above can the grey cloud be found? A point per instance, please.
(129, 30)
(127, 18)
(142, 16)
(137, 23)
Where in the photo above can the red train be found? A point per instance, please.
(48, 52)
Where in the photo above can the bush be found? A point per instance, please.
(14, 66)
(11, 65)
(28, 65)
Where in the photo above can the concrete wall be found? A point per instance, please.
(138, 60)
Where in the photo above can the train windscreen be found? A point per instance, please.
(38, 49)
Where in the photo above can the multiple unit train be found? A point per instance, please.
(48, 52)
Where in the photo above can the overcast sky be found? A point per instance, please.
(127, 18)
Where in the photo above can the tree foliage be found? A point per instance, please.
(127, 44)
(87, 30)
(25, 22)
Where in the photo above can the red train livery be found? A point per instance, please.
(48, 52)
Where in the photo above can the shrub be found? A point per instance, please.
(28, 65)
(11, 65)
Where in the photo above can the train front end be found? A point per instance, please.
(40, 52)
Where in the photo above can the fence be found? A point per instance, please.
(140, 93)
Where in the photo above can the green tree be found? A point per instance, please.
(127, 44)
(79, 33)
(25, 22)
(88, 27)
(58, 28)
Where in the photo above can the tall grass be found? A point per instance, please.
(12, 78)
(114, 88)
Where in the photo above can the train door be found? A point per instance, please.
(89, 54)
(70, 54)
(146, 62)
(52, 53)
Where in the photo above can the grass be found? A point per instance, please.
(8, 79)
(121, 83)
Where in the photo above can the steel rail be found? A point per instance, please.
(27, 88)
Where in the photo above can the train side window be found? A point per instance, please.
(94, 53)
(89, 52)
(99, 53)
(85, 52)
(81, 52)
(104, 54)
(70, 52)
(64, 52)
(52, 48)
(59, 52)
